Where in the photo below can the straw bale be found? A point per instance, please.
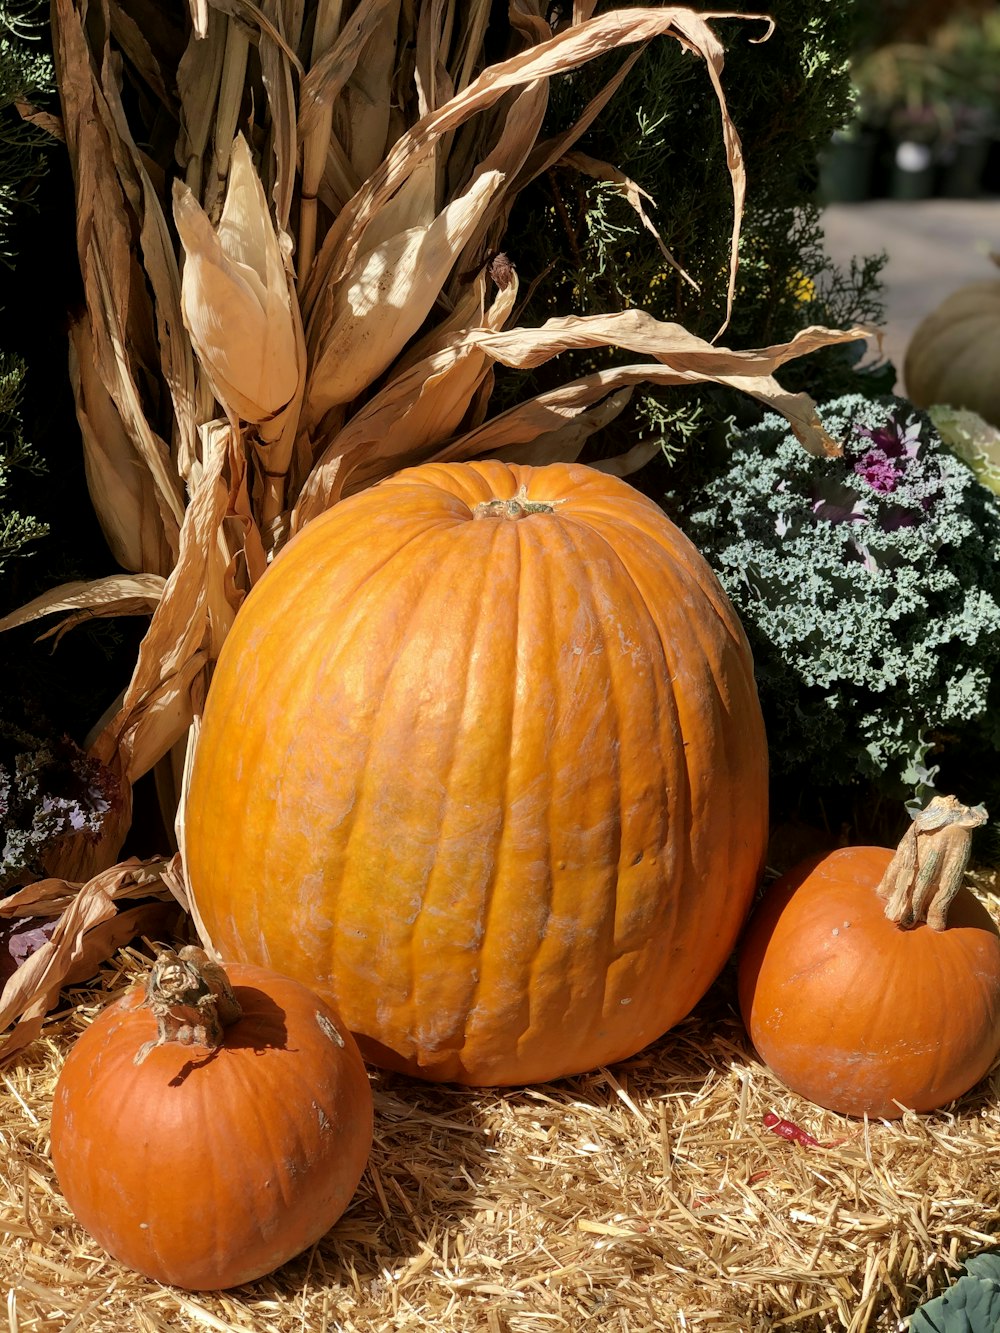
(642, 1198)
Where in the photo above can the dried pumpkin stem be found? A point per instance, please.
(191, 999)
(926, 872)
(518, 506)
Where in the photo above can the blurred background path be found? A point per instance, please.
(934, 246)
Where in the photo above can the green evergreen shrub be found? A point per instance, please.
(24, 71)
(48, 787)
(579, 246)
(17, 530)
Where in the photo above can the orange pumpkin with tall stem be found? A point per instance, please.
(869, 981)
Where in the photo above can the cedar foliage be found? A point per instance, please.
(584, 247)
(25, 71)
(49, 789)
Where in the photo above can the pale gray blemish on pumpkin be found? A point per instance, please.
(329, 1029)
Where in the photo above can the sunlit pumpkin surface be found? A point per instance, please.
(207, 1169)
(857, 1014)
(496, 784)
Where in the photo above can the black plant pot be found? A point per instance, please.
(912, 173)
(846, 168)
(962, 165)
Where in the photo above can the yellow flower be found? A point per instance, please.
(802, 288)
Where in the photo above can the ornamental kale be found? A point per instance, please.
(49, 789)
(970, 1305)
(869, 587)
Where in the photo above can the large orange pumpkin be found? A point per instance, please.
(483, 761)
(866, 988)
(204, 1135)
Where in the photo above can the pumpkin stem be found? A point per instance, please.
(191, 998)
(926, 872)
(518, 506)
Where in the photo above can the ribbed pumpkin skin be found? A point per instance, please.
(497, 786)
(204, 1169)
(953, 356)
(856, 1014)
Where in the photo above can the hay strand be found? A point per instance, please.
(650, 1196)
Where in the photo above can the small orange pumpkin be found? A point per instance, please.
(483, 761)
(204, 1132)
(869, 981)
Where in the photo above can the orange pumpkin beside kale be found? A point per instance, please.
(483, 761)
(869, 981)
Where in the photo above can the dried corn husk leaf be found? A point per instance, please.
(134, 42)
(121, 489)
(565, 442)
(199, 72)
(255, 20)
(366, 104)
(633, 193)
(161, 272)
(683, 358)
(178, 881)
(548, 152)
(277, 77)
(200, 14)
(638, 331)
(113, 595)
(232, 78)
(167, 686)
(369, 317)
(397, 426)
(336, 50)
(235, 297)
(42, 120)
(518, 133)
(422, 406)
(118, 306)
(89, 929)
(566, 50)
(474, 16)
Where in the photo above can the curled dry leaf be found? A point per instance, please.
(89, 926)
(141, 533)
(422, 405)
(566, 50)
(114, 595)
(632, 192)
(383, 301)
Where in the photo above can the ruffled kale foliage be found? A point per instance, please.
(869, 587)
(49, 789)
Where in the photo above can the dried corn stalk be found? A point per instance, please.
(338, 174)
